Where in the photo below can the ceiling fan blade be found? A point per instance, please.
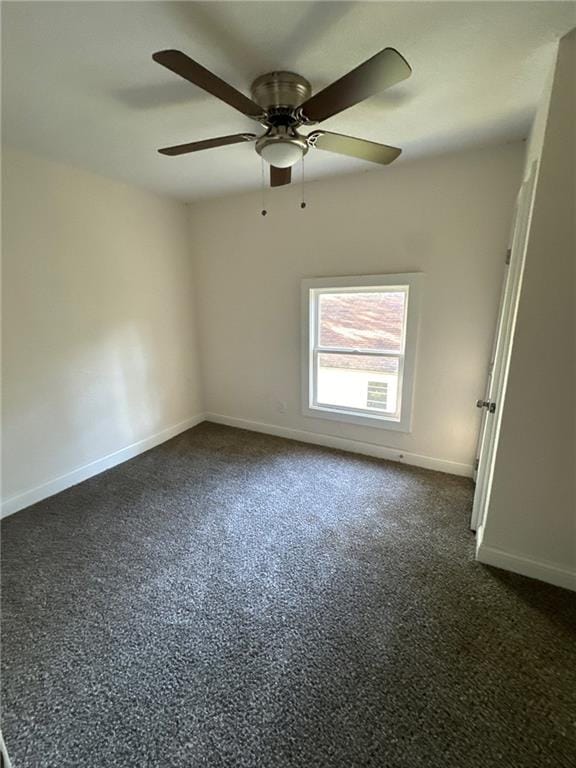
(381, 71)
(280, 176)
(190, 70)
(348, 145)
(196, 146)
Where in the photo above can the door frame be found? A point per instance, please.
(502, 349)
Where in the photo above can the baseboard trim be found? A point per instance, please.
(79, 474)
(354, 446)
(23, 500)
(535, 569)
(4, 753)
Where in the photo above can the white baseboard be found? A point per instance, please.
(535, 569)
(77, 475)
(4, 753)
(22, 500)
(342, 443)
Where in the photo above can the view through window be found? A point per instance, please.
(359, 348)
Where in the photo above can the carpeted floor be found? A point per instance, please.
(234, 599)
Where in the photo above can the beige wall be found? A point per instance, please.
(532, 511)
(98, 319)
(447, 217)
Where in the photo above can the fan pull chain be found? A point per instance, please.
(263, 179)
(303, 203)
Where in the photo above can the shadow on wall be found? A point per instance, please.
(111, 397)
(111, 389)
(91, 352)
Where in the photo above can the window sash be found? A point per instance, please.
(357, 352)
(317, 293)
(316, 403)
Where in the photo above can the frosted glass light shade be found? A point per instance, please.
(282, 154)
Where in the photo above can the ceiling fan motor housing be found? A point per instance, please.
(280, 94)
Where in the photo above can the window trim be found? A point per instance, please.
(310, 289)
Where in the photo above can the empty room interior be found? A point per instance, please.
(288, 385)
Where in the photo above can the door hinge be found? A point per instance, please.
(508, 255)
(476, 464)
(490, 406)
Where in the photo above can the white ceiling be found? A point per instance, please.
(80, 86)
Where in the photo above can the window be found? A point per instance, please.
(377, 395)
(359, 348)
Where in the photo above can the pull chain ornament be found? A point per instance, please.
(263, 179)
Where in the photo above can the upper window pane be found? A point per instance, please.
(362, 320)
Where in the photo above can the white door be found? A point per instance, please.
(498, 368)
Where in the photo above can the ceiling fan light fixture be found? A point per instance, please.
(282, 154)
(282, 146)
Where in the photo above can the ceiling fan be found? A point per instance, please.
(283, 102)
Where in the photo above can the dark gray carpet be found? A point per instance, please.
(233, 599)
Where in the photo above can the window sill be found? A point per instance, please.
(378, 422)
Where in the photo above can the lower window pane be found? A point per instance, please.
(362, 382)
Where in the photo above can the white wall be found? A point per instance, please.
(446, 216)
(99, 346)
(99, 307)
(531, 521)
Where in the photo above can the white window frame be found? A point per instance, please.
(313, 288)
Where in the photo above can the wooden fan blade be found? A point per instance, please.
(190, 70)
(381, 71)
(280, 176)
(348, 145)
(196, 146)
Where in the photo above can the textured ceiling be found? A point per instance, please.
(79, 84)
